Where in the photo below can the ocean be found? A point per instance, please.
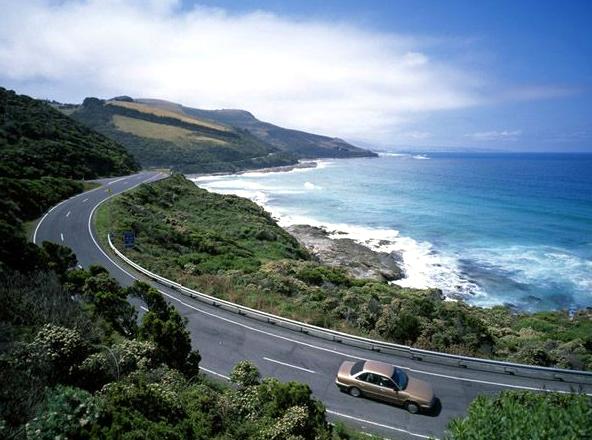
(488, 228)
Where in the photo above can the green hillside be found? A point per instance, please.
(304, 145)
(36, 140)
(163, 138)
(43, 155)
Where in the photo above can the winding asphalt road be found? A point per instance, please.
(224, 338)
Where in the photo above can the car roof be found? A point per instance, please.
(379, 368)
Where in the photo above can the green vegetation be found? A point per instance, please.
(189, 144)
(77, 364)
(42, 153)
(37, 140)
(515, 415)
(75, 360)
(231, 248)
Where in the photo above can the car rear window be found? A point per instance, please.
(357, 367)
(400, 378)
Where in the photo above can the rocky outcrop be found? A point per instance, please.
(358, 260)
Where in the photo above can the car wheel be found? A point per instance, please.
(412, 407)
(355, 392)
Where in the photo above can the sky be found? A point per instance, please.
(394, 75)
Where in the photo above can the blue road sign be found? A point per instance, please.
(129, 239)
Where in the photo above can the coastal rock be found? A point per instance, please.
(358, 260)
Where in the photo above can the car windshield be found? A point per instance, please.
(357, 367)
(400, 378)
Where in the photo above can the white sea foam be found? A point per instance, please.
(311, 186)
(405, 155)
(532, 265)
(423, 266)
(389, 154)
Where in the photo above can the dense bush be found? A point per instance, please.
(91, 377)
(515, 415)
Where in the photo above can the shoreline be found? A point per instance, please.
(286, 283)
(377, 243)
(426, 264)
(302, 164)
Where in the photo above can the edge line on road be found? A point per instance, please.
(345, 416)
(214, 373)
(289, 365)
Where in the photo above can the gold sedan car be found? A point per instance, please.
(381, 381)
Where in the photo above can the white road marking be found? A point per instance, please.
(316, 347)
(144, 308)
(84, 200)
(486, 382)
(335, 413)
(43, 218)
(64, 201)
(214, 373)
(68, 213)
(289, 365)
(62, 236)
(115, 181)
(79, 266)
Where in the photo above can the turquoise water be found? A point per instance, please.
(512, 228)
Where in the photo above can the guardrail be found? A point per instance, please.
(559, 374)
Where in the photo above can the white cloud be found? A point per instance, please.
(328, 77)
(504, 135)
(331, 78)
(416, 135)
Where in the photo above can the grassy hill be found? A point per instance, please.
(304, 145)
(43, 155)
(160, 137)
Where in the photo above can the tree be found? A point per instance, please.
(58, 258)
(108, 300)
(306, 416)
(68, 413)
(514, 415)
(163, 325)
(245, 374)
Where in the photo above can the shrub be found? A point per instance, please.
(520, 414)
(245, 374)
(68, 413)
